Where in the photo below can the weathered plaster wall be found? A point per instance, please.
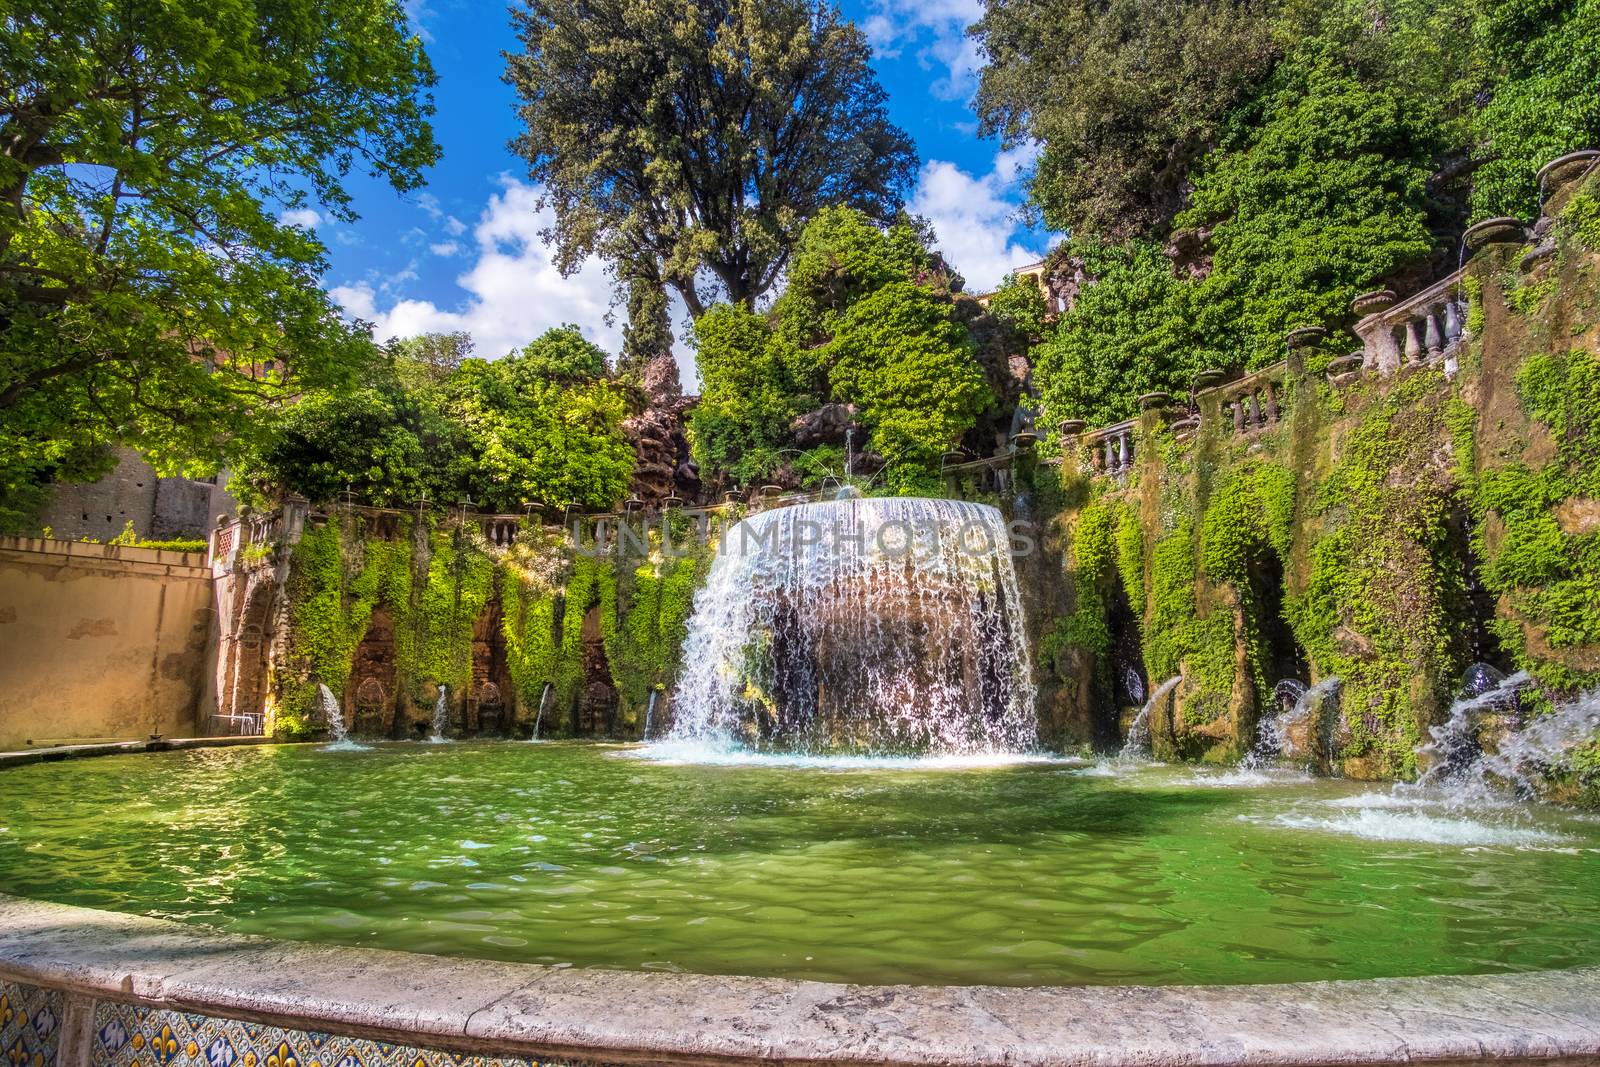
(159, 508)
(101, 641)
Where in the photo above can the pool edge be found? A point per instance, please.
(484, 1009)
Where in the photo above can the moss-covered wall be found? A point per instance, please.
(1388, 532)
(454, 603)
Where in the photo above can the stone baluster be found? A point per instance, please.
(1253, 419)
(1431, 338)
(1111, 457)
(1270, 392)
(1453, 329)
(1413, 351)
(1236, 407)
(1125, 446)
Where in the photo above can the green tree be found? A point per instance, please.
(747, 399)
(1128, 333)
(561, 354)
(913, 372)
(429, 358)
(149, 293)
(1543, 64)
(679, 141)
(1322, 197)
(1123, 95)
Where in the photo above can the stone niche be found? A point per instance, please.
(490, 707)
(371, 697)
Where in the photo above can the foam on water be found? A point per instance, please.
(687, 752)
(1384, 824)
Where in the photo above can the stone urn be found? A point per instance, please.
(1303, 337)
(1209, 379)
(1556, 175)
(1496, 231)
(1346, 369)
(1373, 302)
(1154, 401)
(1072, 427)
(1185, 428)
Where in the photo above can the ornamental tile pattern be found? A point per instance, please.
(131, 1035)
(30, 1025)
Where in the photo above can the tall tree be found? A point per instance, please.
(1123, 95)
(151, 291)
(700, 139)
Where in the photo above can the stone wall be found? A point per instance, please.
(101, 642)
(159, 508)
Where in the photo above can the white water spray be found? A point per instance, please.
(334, 716)
(886, 625)
(538, 718)
(441, 716)
(1138, 740)
(332, 713)
(1289, 734)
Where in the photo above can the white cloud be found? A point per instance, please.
(975, 217)
(301, 216)
(513, 291)
(445, 248)
(937, 30)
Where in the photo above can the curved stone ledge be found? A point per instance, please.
(518, 1011)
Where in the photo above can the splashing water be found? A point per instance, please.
(334, 716)
(1139, 730)
(441, 716)
(1133, 684)
(1286, 735)
(1470, 772)
(879, 625)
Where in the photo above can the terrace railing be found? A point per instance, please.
(1424, 330)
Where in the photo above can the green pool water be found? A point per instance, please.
(592, 856)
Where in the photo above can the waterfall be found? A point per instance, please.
(885, 625)
(441, 716)
(332, 713)
(1139, 730)
(334, 716)
(538, 718)
(650, 713)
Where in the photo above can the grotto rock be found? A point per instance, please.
(824, 426)
(662, 465)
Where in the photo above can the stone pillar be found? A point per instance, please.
(1431, 334)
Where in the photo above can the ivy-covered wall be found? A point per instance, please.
(1389, 532)
(570, 631)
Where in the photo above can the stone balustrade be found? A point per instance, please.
(1254, 402)
(1110, 450)
(1425, 330)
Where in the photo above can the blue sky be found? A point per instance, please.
(464, 253)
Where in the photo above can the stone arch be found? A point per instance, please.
(246, 649)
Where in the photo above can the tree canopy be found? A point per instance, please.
(867, 319)
(149, 292)
(682, 143)
(542, 424)
(1228, 171)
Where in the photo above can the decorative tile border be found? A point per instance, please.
(30, 1025)
(132, 1035)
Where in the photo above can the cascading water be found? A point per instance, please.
(334, 716)
(1138, 740)
(1288, 734)
(538, 718)
(441, 716)
(332, 713)
(650, 714)
(886, 625)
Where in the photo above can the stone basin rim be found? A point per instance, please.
(636, 1017)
